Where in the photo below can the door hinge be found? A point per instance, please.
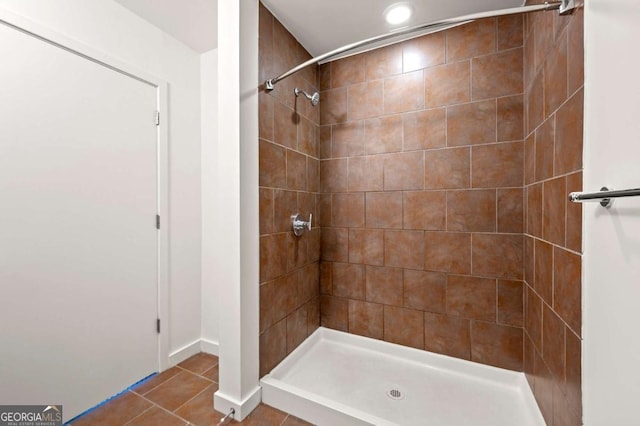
(158, 325)
(157, 221)
(157, 118)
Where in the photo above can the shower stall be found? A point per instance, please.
(437, 279)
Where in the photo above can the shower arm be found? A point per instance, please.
(565, 7)
(297, 92)
(315, 98)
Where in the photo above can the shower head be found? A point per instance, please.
(315, 98)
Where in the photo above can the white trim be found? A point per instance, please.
(224, 403)
(209, 347)
(237, 230)
(163, 233)
(48, 35)
(185, 352)
(193, 348)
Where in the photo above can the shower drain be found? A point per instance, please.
(395, 394)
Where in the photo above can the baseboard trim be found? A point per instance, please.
(224, 403)
(177, 356)
(195, 347)
(209, 347)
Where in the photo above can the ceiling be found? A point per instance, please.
(321, 26)
(193, 22)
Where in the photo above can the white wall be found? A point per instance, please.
(108, 27)
(611, 276)
(210, 187)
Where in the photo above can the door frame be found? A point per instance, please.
(39, 31)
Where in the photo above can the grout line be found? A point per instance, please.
(544, 302)
(545, 117)
(471, 253)
(206, 378)
(496, 119)
(564, 175)
(471, 167)
(471, 99)
(164, 409)
(495, 29)
(440, 148)
(553, 277)
(200, 374)
(446, 211)
(470, 340)
(440, 231)
(140, 414)
(159, 384)
(542, 227)
(497, 301)
(577, 253)
(191, 399)
(497, 213)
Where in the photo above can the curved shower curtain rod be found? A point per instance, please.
(564, 6)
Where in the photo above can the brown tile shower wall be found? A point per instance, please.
(422, 202)
(554, 58)
(289, 184)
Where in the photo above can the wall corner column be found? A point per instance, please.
(238, 224)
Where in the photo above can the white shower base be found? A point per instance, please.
(336, 378)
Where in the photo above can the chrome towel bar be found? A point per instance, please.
(605, 196)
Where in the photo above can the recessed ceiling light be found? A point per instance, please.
(398, 13)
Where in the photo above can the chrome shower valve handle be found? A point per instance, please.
(298, 225)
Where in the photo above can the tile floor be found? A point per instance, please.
(182, 395)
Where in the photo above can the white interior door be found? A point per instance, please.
(78, 239)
